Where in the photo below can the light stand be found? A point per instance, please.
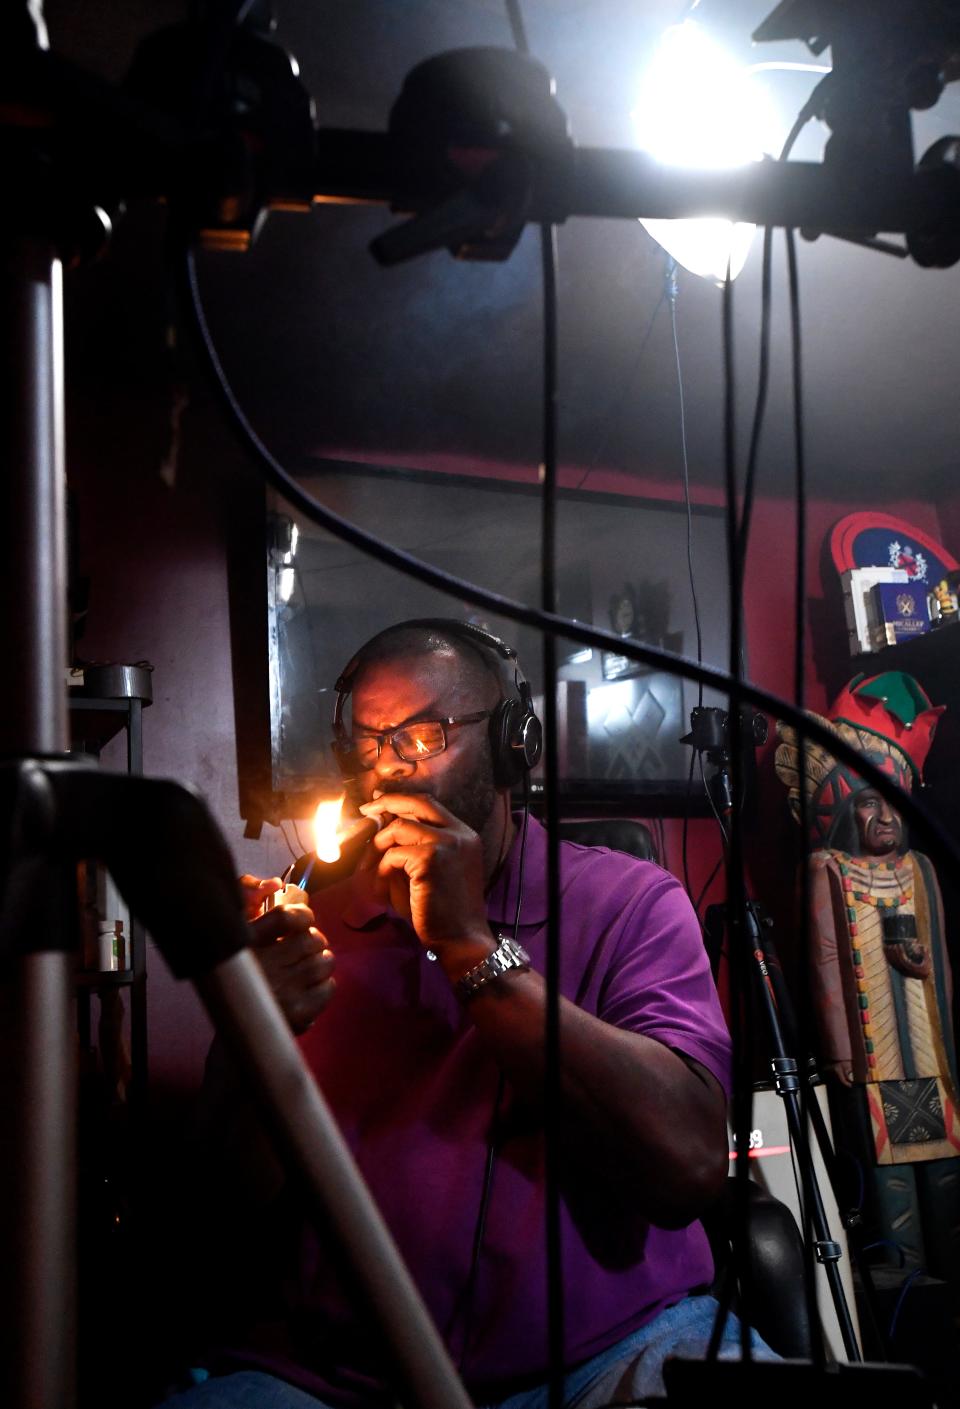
(37, 1197)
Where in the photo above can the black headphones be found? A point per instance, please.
(516, 734)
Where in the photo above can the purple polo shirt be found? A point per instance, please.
(414, 1088)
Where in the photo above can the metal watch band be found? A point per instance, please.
(507, 955)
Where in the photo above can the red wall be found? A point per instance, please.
(769, 612)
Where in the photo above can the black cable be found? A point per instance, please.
(800, 598)
(672, 289)
(685, 829)
(523, 855)
(479, 1232)
(805, 1044)
(889, 1243)
(760, 404)
(552, 1094)
(736, 891)
(661, 843)
(763, 371)
(283, 832)
(812, 108)
(713, 803)
(494, 1136)
(517, 27)
(917, 1272)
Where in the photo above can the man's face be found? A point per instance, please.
(441, 685)
(879, 825)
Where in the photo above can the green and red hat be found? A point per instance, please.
(895, 708)
(888, 718)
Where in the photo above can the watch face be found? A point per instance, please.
(515, 955)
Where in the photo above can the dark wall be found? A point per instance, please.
(169, 532)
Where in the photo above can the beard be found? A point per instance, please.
(473, 801)
(471, 798)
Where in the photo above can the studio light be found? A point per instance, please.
(699, 108)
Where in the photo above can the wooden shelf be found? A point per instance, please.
(934, 658)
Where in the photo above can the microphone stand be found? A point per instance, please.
(787, 1080)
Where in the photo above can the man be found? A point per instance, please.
(432, 1058)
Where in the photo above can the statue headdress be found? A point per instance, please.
(887, 717)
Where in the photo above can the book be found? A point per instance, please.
(856, 584)
(899, 612)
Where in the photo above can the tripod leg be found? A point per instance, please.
(175, 870)
(787, 1079)
(852, 1223)
(38, 1069)
(38, 1168)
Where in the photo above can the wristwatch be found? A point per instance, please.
(507, 955)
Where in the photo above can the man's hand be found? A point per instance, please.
(255, 892)
(841, 1071)
(431, 863)
(292, 953)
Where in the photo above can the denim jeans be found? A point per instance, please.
(630, 1370)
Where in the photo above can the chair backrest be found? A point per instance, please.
(618, 833)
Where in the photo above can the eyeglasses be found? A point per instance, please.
(411, 743)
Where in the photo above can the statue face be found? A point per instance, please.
(879, 826)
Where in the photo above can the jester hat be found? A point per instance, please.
(888, 718)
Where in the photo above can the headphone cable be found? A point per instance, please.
(493, 1141)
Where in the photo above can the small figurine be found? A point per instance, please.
(879, 969)
(942, 603)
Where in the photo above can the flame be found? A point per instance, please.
(421, 746)
(326, 827)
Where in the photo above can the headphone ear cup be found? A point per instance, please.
(515, 741)
(502, 721)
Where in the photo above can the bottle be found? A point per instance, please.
(109, 947)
